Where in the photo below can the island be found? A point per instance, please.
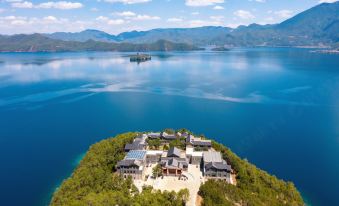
(140, 57)
(170, 168)
(327, 51)
(222, 48)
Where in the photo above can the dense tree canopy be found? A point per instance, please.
(254, 186)
(94, 183)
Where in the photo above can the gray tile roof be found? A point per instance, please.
(212, 156)
(173, 152)
(137, 144)
(202, 143)
(128, 163)
(133, 146)
(218, 166)
(175, 163)
(154, 135)
(169, 137)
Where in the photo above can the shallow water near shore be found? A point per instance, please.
(279, 108)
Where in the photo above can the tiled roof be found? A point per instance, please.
(173, 151)
(212, 156)
(129, 162)
(169, 136)
(218, 166)
(134, 146)
(202, 142)
(154, 135)
(173, 162)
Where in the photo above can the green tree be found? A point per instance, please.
(157, 171)
(169, 131)
(184, 194)
(166, 147)
(154, 143)
(177, 143)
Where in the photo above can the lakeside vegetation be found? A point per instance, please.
(40, 43)
(94, 183)
(254, 186)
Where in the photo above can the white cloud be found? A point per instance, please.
(243, 14)
(60, 5)
(284, 13)
(260, 1)
(174, 20)
(145, 17)
(102, 18)
(129, 15)
(50, 18)
(47, 24)
(199, 23)
(11, 1)
(47, 5)
(327, 1)
(269, 19)
(127, 1)
(23, 5)
(31, 21)
(218, 7)
(195, 13)
(125, 13)
(217, 18)
(115, 21)
(109, 21)
(203, 2)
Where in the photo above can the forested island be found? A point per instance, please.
(96, 181)
(220, 49)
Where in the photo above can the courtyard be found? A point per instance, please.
(190, 179)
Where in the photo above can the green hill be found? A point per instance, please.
(40, 43)
(94, 183)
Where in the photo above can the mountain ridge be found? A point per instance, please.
(317, 26)
(40, 43)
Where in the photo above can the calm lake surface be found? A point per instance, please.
(279, 108)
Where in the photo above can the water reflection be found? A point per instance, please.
(233, 76)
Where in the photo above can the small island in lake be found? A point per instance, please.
(140, 57)
(173, 168)
(327, 51)
(222, 48)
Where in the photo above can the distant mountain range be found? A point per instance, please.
(40, 43)
(317, 27)
(201, 35)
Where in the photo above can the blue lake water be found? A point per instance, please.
(279, 108)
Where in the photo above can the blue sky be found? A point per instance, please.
(115, 16)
